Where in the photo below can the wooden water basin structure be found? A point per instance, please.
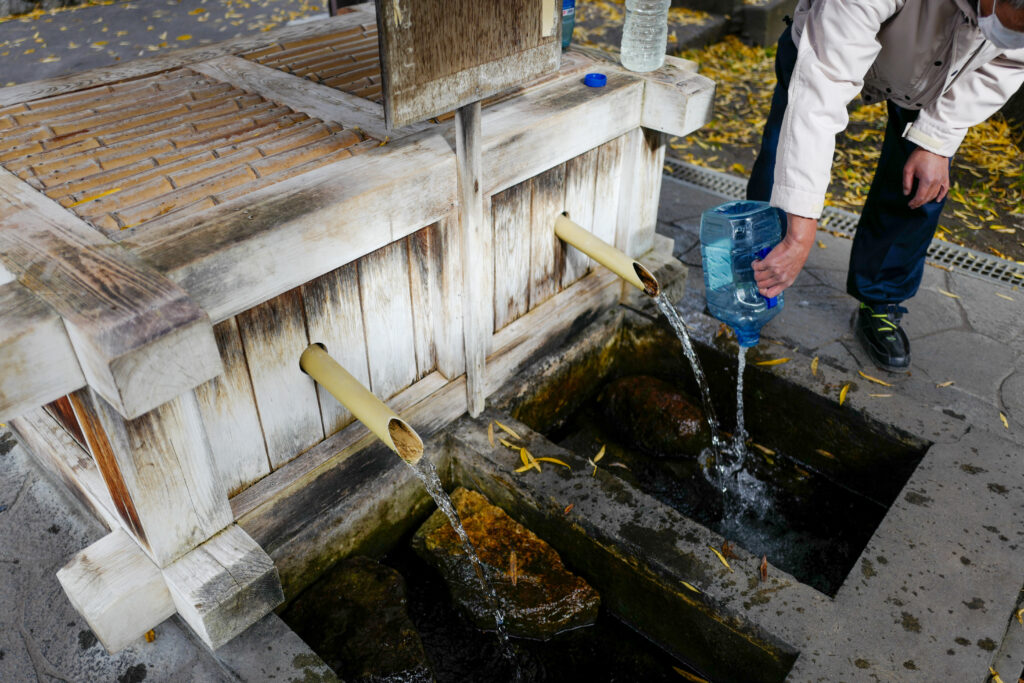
(175, 232)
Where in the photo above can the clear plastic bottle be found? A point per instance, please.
(645, 34)
(568, 21)
(732, 236)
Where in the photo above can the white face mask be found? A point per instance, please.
(997, 34)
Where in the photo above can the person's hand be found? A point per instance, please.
(777, 271)
(931, 171)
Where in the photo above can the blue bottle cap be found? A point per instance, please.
(595, 80)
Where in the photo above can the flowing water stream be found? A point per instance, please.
(426, 473)
(717, 447)
(739, 441)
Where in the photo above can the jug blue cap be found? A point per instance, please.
(770, 301)
(595, 80)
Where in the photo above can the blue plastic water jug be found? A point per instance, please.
(568, 21)
(732, 236)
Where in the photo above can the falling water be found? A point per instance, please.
(739, 442)
(670, 313)
(426, 473)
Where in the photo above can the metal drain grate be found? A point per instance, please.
(838, 221)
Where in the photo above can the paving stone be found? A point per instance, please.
(933, 578)
(813, 316)
(976, 363)
(1011, 395)
(988, 313)
(929, 312)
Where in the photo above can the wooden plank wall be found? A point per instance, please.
(530, 264)
(263, 411)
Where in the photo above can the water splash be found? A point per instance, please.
(739, 442)
(677, 324)
(426, 473)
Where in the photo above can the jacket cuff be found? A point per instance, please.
(797, 202)
(936, 140)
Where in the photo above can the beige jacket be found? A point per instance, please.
(921, 54)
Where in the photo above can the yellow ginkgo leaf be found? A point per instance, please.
(873, 379)
(1006, 423)
(951, 295)
(507, 430)
(555, 461)
(721, 557)
(600, 454)
(184, 36)
(490, 433)
(824, 453)
(1003, 296)
(774, 361)
(943, 385)
(814, 366)
(690, 586)
(843, 392)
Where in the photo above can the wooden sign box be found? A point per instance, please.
(174, 232)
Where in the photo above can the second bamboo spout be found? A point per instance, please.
(367, 408)
(629, 269)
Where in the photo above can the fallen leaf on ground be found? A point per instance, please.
(150, 636)
(873, 379)
(1003, 296)
(619, 464)
(774, 361)
(821, 245)
(763, 449)
(93, 198)
(555, 461)
(825, 453)
(600, 454)
(941, 385)
(814, 366)
(568, 508)
(490, 433)
(513, 569)
(720, 557)
(763, 569)
(507, 430)
(880, 395)
(951, 295)
(995, 675)
(689, 676)
(509, 444)
(1006, 423)
(1020, 616)
(843, 392)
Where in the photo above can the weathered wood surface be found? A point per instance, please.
(248, 250)
(274, 336)
(677, 100)
(56, 450)
(228, 407)
(477, 255)
(439, 55)
(334, 318)
(608, 190)
(643, 162)
(139, 339)
(224, 586)
(510, 218)
(448, 336)
(426, 272)
(387, 319)
(580, 185)
(37, 362)
(160, 473)
(318, 101)
(546, 250)
(117, 589)
(359, 14)
(518, 343)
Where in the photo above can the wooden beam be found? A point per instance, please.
(677, 100)
(477, 258)
(642, 166)
(224, 586)
(160, 473)
(58, 452)
(26, 92)
(37, 362)
(117, 589)
(301, 94)
(139, 339)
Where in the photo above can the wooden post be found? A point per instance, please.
(477, 259)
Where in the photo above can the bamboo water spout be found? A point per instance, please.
(367, 408)
(629, 269)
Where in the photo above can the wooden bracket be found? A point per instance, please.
(677, 100)
(140, 341)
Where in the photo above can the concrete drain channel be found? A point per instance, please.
(840, 222)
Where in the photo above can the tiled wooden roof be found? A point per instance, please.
(347, 60)
(119, 155)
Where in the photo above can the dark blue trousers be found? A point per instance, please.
(889, 248)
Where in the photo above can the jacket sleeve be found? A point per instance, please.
(838, 45)
(975, 96)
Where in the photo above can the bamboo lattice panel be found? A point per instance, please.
(346, 60)
(125, 154)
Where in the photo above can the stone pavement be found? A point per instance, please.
(936, 593)
(43, 639)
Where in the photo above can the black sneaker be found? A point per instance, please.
(879, 332)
